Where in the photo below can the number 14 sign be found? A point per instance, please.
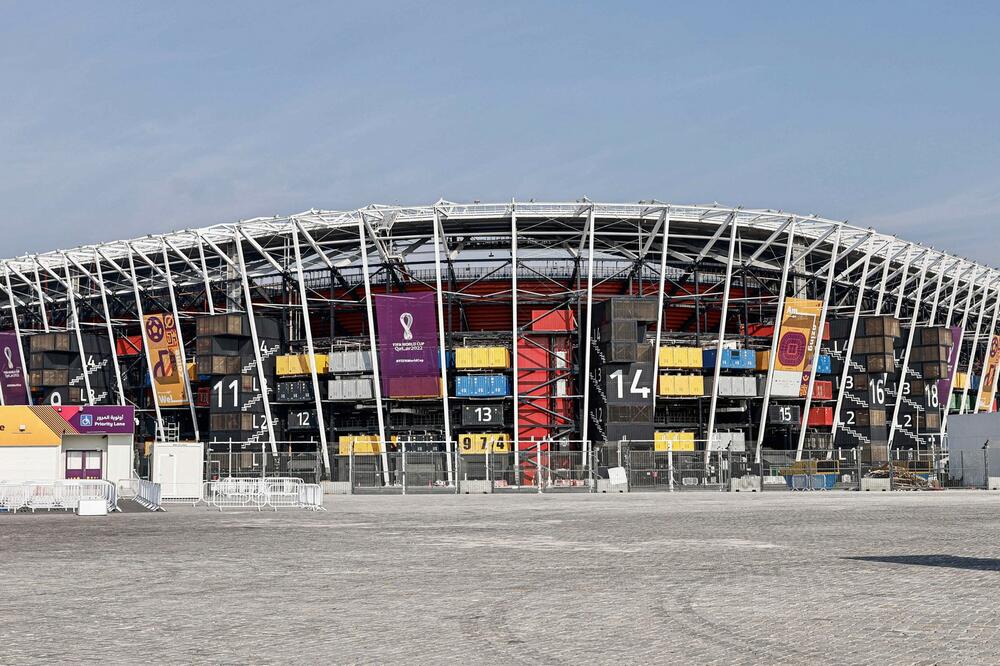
(628, 383)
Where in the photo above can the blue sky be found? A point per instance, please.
(122, 119)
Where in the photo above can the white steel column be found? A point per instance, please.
(902, 282)
(937, 296)
(376, 368)
(975, 345)
(665, 221)
(248, 305)
(903, 381)
(204, 275)
(17, 333)
(710, 431)
(585, 415)
(819, 345)
(180, 344)
(71, 297)
(774, 338)
(145, 344)
(443, 353)
(110, 330)
(514, 344)
(311, 351)
(848, 350)
(41, 298)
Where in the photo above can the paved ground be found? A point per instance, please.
(694, 578)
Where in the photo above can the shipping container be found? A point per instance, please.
(298, 364)
(675, 440)
(475, 358)
(556, 321)
(732, 359)
(680, 357)
(364, 445)
(481, 386)
(682, 385)
(820, 416)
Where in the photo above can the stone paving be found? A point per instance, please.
(693, 578)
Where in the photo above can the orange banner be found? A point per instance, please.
(163, 352)
(986, 384)
(797, 341)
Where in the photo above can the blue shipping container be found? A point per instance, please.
(732, 359)
(824, 365)
(481, 386)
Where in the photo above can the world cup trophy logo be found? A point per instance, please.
(406, 321)
(10, 357)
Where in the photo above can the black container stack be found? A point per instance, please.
(621, 374)
(226, 355)
(870, 387)
(56, 371)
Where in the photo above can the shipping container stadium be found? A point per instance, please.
(539, 339)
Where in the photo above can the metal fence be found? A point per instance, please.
(258, 462)
(565, 465)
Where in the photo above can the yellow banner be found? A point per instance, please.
(30, 426)
(163, 352)
(989, 376)
(797, 340)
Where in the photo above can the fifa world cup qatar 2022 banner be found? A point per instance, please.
(797, 340)
(163, 351)
(15, 392)
(408, 352)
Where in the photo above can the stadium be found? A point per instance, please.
(524, 344)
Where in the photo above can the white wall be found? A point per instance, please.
(120, 458)
(31, 463)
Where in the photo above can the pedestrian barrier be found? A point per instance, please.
(274, 492)
(55, 495)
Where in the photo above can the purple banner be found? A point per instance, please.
(11, 375)
(944, 385)
(407, 343)
(101, 420)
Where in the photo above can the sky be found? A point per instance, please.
(119, 120)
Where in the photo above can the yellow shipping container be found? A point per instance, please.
(681, 440)
(477, 443)
(468, 358)
(680, 357)
(499, 357)
(364, 445)
(961, 380)
(763, 360)
(681, 385)
(298, 364)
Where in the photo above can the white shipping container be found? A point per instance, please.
(335, 389)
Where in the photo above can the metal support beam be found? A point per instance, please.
(442, 354)
(819, 342)
(109, 329)
(775, 332)
(713, 403)
(311, 352)
(261, 377)
(902, 388)
(183, 370)
(373, 346)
